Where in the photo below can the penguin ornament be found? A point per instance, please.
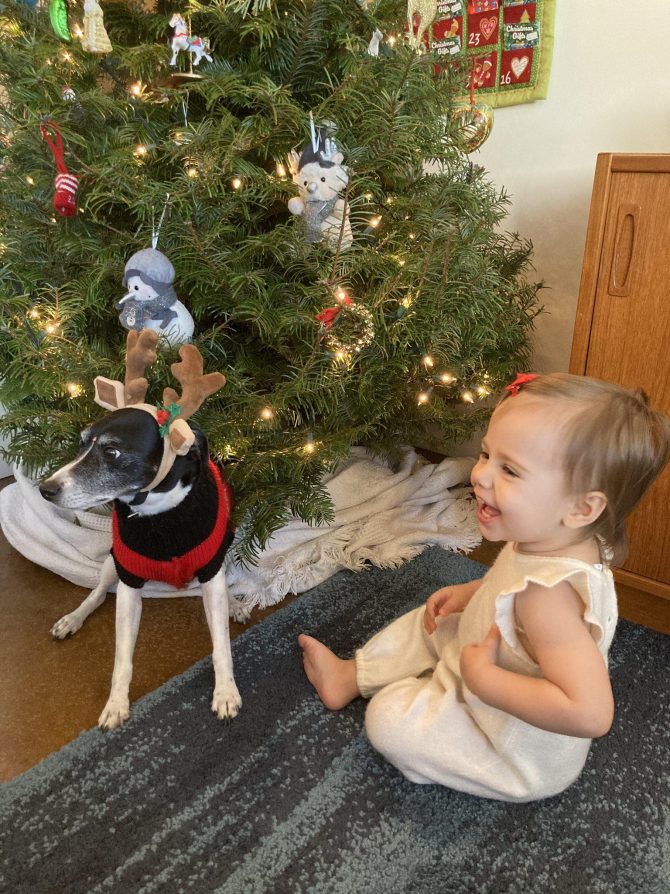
(151, 301)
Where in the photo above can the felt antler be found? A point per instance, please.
(195, 385)
(141, 352)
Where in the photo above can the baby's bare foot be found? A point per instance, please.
(333, 678)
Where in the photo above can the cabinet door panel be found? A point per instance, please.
(630, 336)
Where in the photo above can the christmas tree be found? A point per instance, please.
(382, 322)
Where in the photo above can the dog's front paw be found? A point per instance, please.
(226, 702)
(238, 611)
(67, 625)
(115, 712)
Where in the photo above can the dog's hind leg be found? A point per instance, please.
(226, 701)
(71, 623)
(128, 613)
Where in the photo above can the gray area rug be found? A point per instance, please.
(291, 798)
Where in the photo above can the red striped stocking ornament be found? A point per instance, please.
(65, 197)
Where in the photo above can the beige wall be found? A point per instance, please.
(609, 92)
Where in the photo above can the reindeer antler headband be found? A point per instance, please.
(178, 436)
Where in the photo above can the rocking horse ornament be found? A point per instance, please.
(182, 40)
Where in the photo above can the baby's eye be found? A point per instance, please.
(483, 454)
(510, 472)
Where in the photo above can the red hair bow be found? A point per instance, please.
(520, 380)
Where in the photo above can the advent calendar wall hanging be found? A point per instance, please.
(508, 45)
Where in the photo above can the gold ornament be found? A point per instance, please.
(427, 12)
(355, 330)
(471, 123)
(95, 38)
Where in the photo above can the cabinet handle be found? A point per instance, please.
(624, 249)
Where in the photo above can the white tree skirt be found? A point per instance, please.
(380, 516)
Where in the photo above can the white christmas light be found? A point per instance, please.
(266, 413)
(281, 171)
(74, 389)
(236, 183)
(422, 397)
(30, 181)
(390, 40)
(482, 391)
(375, 221)
(447, 378)
(192, 173)
(140, 151)
(341, 295)
(468, 397)
(428, 361)
(137, 89)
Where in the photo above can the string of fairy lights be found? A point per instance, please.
(48, 320)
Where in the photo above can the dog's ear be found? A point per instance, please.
(201, 445)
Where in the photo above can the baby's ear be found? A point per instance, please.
(586, 509)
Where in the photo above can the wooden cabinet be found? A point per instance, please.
(622, 334)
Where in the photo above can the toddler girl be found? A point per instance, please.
(496, 687)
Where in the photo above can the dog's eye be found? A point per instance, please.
(323, 179)
(111, 452)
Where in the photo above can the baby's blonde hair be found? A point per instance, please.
(614, 443)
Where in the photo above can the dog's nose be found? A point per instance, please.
(49, 489)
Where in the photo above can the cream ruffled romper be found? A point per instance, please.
(427, 723)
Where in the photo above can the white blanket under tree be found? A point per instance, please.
(381, 516)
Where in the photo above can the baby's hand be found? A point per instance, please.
(444, 602)
(479, 655)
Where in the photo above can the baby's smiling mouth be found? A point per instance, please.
(487, 513)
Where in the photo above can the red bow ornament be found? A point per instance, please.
(328, 316)
(520, 380)
(65, 197)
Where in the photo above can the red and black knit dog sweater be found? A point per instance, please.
(188, 541)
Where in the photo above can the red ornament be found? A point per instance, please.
(65, 197)
(328, 316)
(162, 417)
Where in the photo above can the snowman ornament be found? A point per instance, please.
(151, 301)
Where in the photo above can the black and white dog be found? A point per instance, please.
(171, 528)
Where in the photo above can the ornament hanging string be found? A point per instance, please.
(155, 231)
(472, 83)
(65, 197)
